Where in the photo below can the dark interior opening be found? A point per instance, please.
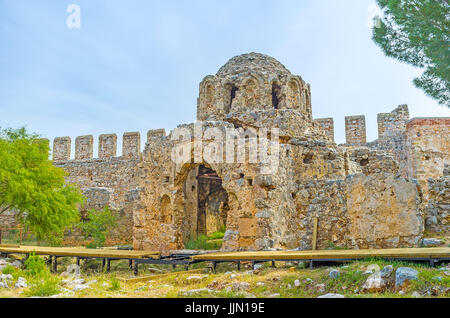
(212, 202)
(307, 159)
(234, 89)
(275, 94)
(364, 162)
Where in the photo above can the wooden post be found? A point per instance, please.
(314, 242)
(108, 265)
(20, 234)
(130, 264)
(136, 268)
(55, 264)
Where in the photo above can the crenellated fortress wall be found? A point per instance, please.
(419, 145)
(106, 180)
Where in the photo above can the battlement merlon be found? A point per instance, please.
(327, 125)
(61, 148)
(355, 130)
(155, 133)
(131, 145)
(394, 121)
(107, 146)
(84, 147)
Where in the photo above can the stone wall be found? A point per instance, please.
(8, 219)
(438, 206)
(105, 181)
(377, 211)
(428, 146)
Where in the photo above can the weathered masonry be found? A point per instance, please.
(375, 194)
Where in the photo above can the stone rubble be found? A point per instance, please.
(403, 275)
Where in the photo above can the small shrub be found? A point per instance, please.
(35, 266)
(97, 226)
(115, 284)
(203, 242)
(44, 287)
(8, 270)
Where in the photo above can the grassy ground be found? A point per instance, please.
(228, 283)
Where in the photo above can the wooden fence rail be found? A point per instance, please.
(5, 229)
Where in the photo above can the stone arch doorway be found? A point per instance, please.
(202, 202)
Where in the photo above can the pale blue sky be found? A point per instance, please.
(136, 65)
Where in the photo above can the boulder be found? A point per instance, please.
(373, 268)
(80, 287)
(332, 296)
(334, 273)
(21, 283)
(195, 278)
(320, 288)
(17, 264)
(404, 275)
(387, 271)
(374, 283)
(258, 266)
(430, 242)
(239, 286)
(415, 295)
(196, 291)
(72, 271)
(4, 277)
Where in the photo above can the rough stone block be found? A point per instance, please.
(131, 145)
(355, 130)
(155, 133)
(84, 147)
(327, 125)
(107, 146)
(61, 148)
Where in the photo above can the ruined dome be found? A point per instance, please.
(253, 63)
(252, 82)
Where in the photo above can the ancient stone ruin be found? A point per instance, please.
(363, 194)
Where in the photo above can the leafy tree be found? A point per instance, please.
(97, 226)
(417, 32)
(31, 185)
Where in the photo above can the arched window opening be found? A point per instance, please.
(275, 95)
(233, 92)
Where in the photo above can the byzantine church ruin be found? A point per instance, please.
(378, 194)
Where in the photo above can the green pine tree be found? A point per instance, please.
(417, 32)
